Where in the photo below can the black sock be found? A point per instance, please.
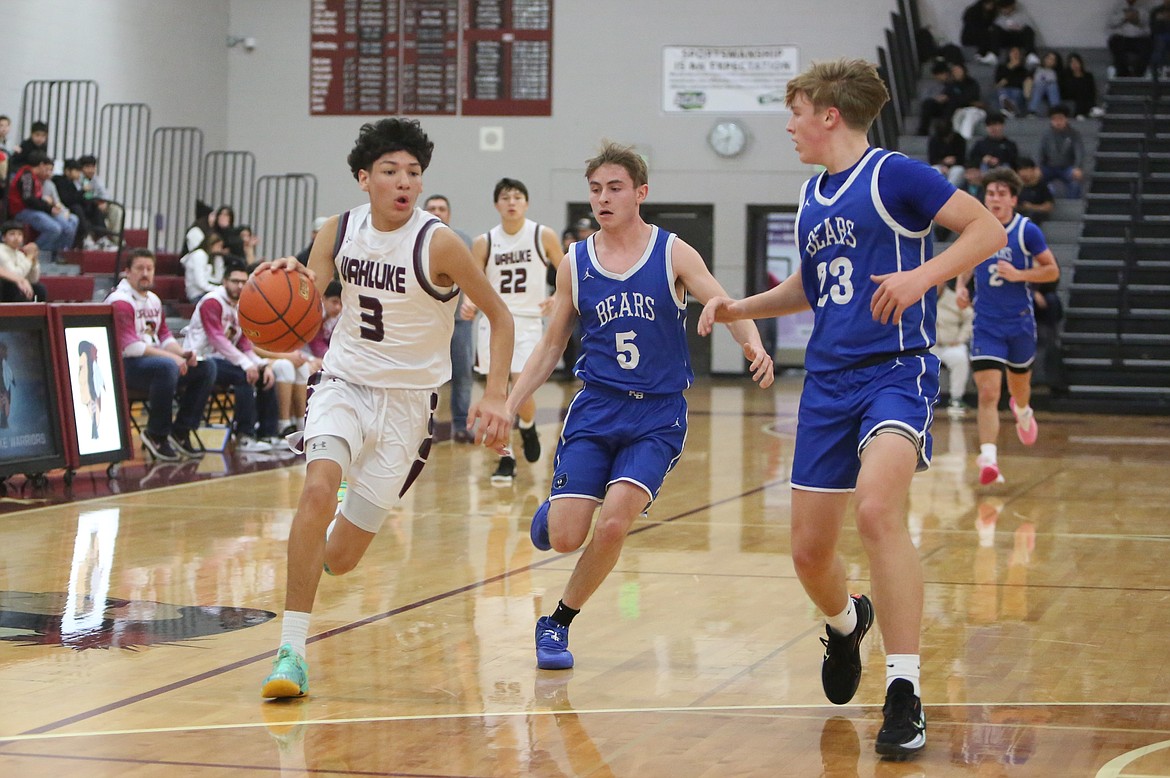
(563, 615)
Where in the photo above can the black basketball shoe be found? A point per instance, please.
(504, 472)
(903, 730)
(531, 443)
(841, 667)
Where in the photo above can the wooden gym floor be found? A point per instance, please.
(135, 628)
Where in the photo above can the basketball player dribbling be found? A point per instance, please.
(867, 272)
(625, 428)
(370, 408)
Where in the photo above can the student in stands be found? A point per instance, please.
(20, 272)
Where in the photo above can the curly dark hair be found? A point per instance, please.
(387, 136)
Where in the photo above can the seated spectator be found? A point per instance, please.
(1013, 27)
(55, 226)
(20, 272)
(303, 255)
(1062, 154)
(203, 268)
(249, 242)
(946, 150)
(200, 227)
(949, 97)
(969, 112)
(995, 149)
(952, 334)
(1160, 38)
(215, 335)
(973, 182)
(1046, 83)
(225, 225)
(1079, 88)
(5, 127)
(94, 190)
(156, 364)
(91, 222)
(977, 20)
(37, 140)
(1035, 200)
(1129, 38)
(51, 196)
(1012, 80)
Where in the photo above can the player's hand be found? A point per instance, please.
(717, 310)
(761, 364)
(491, 423)
(962, 297)
(1007, 271)
(286, 263)
(895, 293)
(467, 310)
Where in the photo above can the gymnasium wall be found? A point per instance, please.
(172, 54)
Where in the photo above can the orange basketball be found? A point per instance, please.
(280, 310)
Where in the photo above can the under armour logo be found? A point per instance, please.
(319, 445)
(587, 275)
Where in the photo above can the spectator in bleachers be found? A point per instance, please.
(52, 196)
(1035, 200)
(1046, 83)
(200, 227)
(91, 224)
(249, 242)
(1062, 154)
(203, 268)
(5, 128)
(949, 97)
(977, 21)
(1011, 82)
(969, 112)
(973, 182)
(215, 335)
(1014, 27)
(946, 150)
(37, 140)
(1079, 88)
(952, 334)
(303, 255)
(94, 190)
(1160, 38)
(156, 364)
(995, 149)
(56, 227)
(1129, 38)
(225, 225)
(20, 272)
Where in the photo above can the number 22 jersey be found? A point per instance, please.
(872, 219)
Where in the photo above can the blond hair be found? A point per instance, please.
(852, 86)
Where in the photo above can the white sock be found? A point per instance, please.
(527, 425)
(844, 622)
(903, 666)
(988, 452)
(283, 423)
(294, 630)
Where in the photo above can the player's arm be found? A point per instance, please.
(555, 253)
(980, 235)
(548, 351)
(451, 262)
(785, 298)
(479, 255)
(1044, 269)
(697, 279)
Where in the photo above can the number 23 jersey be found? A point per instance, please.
(395, 327)
(872, 219)
(633, 326)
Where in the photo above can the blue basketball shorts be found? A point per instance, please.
(611, 436)
(842, 410)
(1011, 341)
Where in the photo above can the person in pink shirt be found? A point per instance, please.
(215, 335)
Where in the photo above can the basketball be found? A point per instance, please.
(280, 310)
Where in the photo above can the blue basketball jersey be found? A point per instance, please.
(850, 226)
(995, 297)
(633, 327)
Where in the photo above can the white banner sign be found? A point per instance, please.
(727, 79)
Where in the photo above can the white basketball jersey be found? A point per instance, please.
(395, 327)
(516, 267)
